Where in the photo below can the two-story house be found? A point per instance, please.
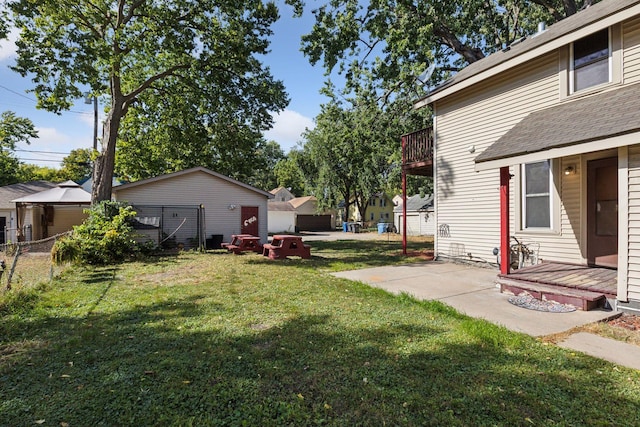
(541, 142)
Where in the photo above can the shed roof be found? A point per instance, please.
(280, 207)
(189, 171)
(299, 201)
(416, 203)
(8, 193)
(559, 34)
(67, 192)
(597, 117)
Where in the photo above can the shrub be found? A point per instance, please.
(105, 237)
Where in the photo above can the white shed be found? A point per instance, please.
(420, 217)
(195, 204)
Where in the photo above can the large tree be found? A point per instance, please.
(13, 129)
(349, 154)
(201, 52)
(77, 165)
(396, 41)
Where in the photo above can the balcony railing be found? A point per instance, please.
(417, 153)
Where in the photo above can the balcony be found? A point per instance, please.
(417, 152)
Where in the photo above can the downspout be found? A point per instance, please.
(404, 198)
(505, 251)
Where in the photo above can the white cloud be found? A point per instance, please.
(51, 137)
(288, 128)
(48, 149)
(8, 47)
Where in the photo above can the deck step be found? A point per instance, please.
(580, 298)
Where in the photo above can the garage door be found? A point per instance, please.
(313, 222)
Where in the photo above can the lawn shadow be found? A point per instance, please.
(155, 365)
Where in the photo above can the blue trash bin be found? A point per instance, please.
(345, 226)
(382, 227)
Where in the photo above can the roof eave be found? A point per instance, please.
(528, 55)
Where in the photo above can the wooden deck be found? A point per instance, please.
(585, 287)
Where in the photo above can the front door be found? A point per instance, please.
(249, 220)
(602, 212)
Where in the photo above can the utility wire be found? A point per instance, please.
(33, 100)
(41, 152)
(41, 160)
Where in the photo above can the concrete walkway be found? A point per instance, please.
(473, 291)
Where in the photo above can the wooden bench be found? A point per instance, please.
(282, 246)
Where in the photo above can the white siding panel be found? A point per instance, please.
(418, 223)
(468, 202)
(280, 221)
(633, 256)
(631, 50)
(200, 188)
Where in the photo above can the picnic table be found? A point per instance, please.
(242, 243)
(282, 246)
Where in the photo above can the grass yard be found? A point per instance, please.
(218, 339)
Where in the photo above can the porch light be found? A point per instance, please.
(570, 170)
(231, 207)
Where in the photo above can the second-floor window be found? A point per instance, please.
(590, 61)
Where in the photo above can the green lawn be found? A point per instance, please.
(218, 339)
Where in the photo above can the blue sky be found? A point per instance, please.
(74, 129)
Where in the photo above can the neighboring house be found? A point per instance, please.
(379, 209)
(299, 214)
(420, 216)
(8, 217)
(52, 211)
(281, 194)
(542, 141)
(195, 206)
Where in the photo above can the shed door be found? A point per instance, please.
(3, 224)
(249, 220)
(602, 212)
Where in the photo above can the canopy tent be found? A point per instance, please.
(66, 193)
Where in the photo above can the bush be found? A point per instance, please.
(105, 237)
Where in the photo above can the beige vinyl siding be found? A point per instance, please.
(631, 51)
(200, 188)
(65, 217)
(633, 255)
(468, 201)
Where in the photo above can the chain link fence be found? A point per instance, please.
(28, 263)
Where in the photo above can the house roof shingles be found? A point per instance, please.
(280, 207)
(600, 116)
(416, 203)
(8, 193)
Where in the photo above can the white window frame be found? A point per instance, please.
(572, 80)
(554, 202)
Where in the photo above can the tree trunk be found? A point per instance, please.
(105, 162)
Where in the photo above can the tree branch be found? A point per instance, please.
(557, 15)
(171, 71)
(470, 54)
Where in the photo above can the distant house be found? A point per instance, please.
(379, 209)
(420, 216)
(8, 217)
(281, 194)
(195, 207)
(51, 211)
(298, 214)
